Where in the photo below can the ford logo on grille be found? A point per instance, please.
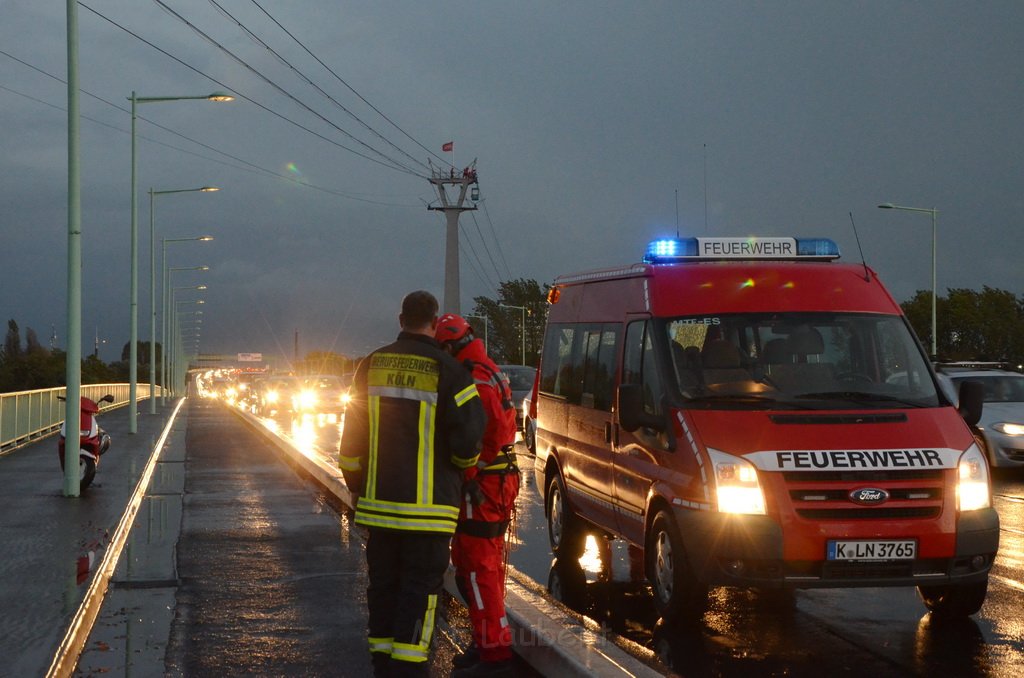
(869, 496)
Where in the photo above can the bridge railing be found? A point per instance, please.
(28, 415)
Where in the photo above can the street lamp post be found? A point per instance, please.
(523, 309)
(176, 332)
(152, 286)
(133, 350)
(166, 296)
(933, 212)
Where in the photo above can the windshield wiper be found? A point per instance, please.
(858, 396)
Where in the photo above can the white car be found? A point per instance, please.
(1002, 417)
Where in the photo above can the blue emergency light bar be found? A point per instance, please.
(671, 250)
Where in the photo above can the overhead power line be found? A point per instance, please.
(255, 71)
(237, 92)
(259, 41)
(350, 88)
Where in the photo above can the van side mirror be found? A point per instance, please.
(631, 410)
(972, 398)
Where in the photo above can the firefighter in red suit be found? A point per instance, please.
(489, 496)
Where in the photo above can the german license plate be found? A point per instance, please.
(865, 549)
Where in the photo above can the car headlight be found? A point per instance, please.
(972, 485)
(1009, 429)
(307, 398)
(738, 488)
(345, 398)
(272, 396)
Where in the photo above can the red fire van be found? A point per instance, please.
(749, 412)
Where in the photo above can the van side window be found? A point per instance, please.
(639, 365)
(600, 344)
(559, 375)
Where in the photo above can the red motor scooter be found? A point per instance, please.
(93, 440)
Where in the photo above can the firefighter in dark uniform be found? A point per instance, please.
(488, 501)
(413, 426)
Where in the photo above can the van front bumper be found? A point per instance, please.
(745, 550)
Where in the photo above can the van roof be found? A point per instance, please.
(696, 288)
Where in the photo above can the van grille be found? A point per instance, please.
(824, 496)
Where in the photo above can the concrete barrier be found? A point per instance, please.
(548, 637)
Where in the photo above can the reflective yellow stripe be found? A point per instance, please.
(466, 394)
(373, 407)
(349, 463)
(383, 645)
(406, 652)
(464, 463)
(439, 525)
(417, 510)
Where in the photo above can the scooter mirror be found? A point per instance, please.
(107, 399)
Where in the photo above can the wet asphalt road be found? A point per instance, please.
(877, 632)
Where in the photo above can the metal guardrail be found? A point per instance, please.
(26, 416)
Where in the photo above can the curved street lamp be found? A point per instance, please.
(133, 351)
(152, 285)
(933, 212)
(165, 328)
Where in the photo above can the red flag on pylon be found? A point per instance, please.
(448, 147)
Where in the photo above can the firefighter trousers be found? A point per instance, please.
(406, 572)
(478, 553)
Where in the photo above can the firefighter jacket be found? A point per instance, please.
(412, 427)
(496, 397)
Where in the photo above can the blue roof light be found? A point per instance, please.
(671, 250)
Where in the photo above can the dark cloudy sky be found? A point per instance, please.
(586, 119)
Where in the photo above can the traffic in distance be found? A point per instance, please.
(757, 418)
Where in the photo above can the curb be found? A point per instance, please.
(547, 637)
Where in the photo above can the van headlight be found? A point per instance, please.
(972, 486)
(736, 483)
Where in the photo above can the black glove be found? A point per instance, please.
(471, 488)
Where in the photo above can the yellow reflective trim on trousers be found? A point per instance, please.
(420, 652)
(466, 394)
(373, 409)
(382, 645)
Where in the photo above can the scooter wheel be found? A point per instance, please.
(86, 471)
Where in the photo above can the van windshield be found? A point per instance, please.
(817, 360)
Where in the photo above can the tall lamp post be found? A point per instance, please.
(523, 309)
(484, 318)
(164, 324)
(133, 350)
(176, 333)
(933, 212)
(152, 286)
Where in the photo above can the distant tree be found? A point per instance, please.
(986, 325)
(504, 332)
(12, 341)
(325, 362)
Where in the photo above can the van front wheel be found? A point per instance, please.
(677, 593)
(566, 533)
(954, 601)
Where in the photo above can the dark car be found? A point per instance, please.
(273, 395)
(321, 394)
(520, 379)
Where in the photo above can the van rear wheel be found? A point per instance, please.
(677, 593)
(954, 601)
(567, 534)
